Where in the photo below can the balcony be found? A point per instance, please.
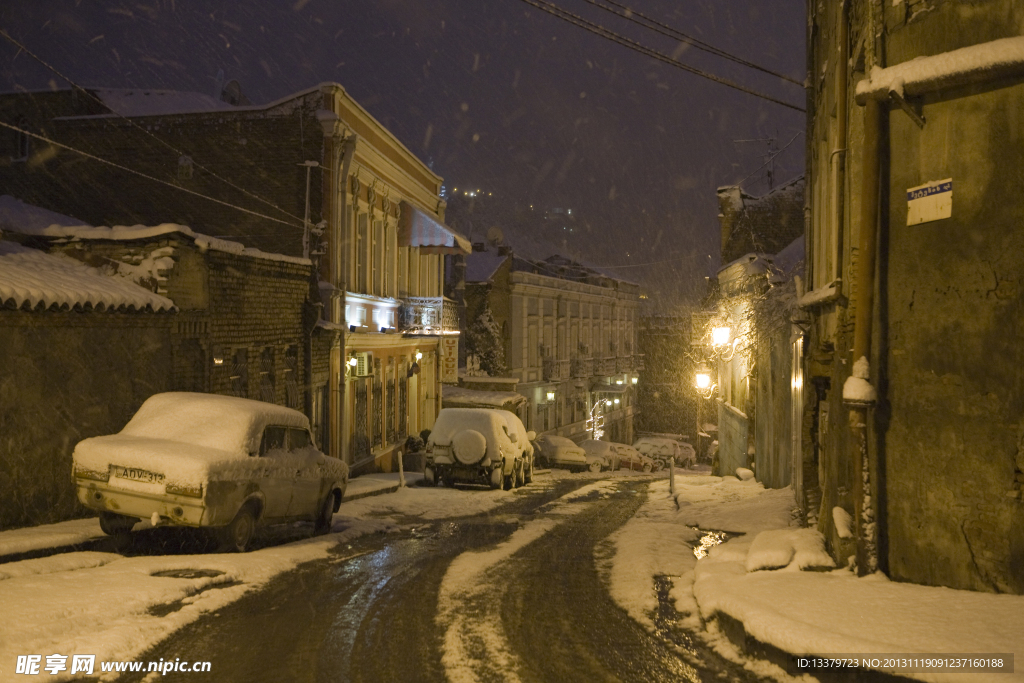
(428, 315)
(604, 366)
(554, 369)
(582, 367)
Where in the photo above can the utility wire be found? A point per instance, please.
(770, 158)
(577, 20)
(87, 155)
(135, 125)
(674, 33)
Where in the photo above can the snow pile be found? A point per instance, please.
(857, 388)
(743, 474)
(843, 521)
(791, 548)
(33, 278)
(28, 539)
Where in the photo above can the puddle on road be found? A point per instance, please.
(188, 573)
(709, 538)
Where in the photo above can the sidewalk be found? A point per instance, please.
(752, 595)
(84, 534)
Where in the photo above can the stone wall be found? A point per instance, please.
(66, 376)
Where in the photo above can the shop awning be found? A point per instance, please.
(417, 228)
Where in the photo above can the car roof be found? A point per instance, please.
(227, 423)
(558, 440)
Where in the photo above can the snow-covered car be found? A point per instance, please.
(603, 451)
(661, 450)
(558, 451)
(632, 459)
(205, 460)
(479, 445)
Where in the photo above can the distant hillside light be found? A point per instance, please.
(720, 336)
(703, 379)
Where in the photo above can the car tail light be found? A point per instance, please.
(86, 473)
(184, 490)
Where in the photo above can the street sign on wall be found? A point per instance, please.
(930, 202)
(450, 359)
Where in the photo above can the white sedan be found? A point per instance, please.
(204, 460)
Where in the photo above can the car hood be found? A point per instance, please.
(176, 461)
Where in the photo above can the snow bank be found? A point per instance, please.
(794, 548)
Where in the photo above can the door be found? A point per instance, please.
(307, 491)
(276, 475)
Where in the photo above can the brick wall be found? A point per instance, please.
(763, 224)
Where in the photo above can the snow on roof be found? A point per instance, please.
(482, 265)
(148, 102)
(463, 397)
(988, 61)
(33, 278)
(26, 219)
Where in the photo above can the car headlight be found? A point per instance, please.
(184, 490)
(86, 473)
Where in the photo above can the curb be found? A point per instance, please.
(736, 633)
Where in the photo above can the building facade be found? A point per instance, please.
(311, 175)
(566, 332)
(921, 443)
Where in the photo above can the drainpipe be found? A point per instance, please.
(838, 155)
(864, 504)
(339, 262)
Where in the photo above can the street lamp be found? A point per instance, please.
(703, 379)
(720, 336)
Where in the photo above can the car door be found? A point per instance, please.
(307, 491)
(276, 474)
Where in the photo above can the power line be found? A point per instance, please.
(597, 29)
(146, 176)
(664, 29)
(771, 158)
(166, 144)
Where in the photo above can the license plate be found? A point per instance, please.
(136, 474)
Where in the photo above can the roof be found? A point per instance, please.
(33, 279)
(148, 102)
(417, 228)
(461, 397)
(482, 265)
(26, 219)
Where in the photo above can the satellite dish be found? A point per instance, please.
(495, 236)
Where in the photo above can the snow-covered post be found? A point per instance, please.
(672, 475)
(859, 395)
(401, 469)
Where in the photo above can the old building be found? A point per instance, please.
(95, 320)
(567, 334)
(752, 356)
(311, 175)
(915, 250)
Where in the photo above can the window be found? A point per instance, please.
(362, 253)
(267, 392)
(185, 165)
(23, 148)
(273, 440)
(240, 373)
(298, 439)
(293, 397)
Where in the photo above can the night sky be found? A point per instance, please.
(493, 94)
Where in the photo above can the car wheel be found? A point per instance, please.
(510, 480)
(520, 473)
(528, 477)
(235, 537)
(429, 477)
(114, 524)
(647, 467)
(497, 477)
(595, 466)
(323, 519)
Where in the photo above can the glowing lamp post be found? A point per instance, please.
(720, 336)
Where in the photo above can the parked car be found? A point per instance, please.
(204, 460)
(602, 450)
(632, 459)
(558, 451)
(479, 445)
(661, 450)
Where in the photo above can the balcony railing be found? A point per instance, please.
(555, 369)
(582, 366)
(428, 315)
(604, 366)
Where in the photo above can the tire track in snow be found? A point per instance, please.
(475, 646)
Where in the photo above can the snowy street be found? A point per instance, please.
(575, 577)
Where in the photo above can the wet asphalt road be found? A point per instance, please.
(370, 614)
